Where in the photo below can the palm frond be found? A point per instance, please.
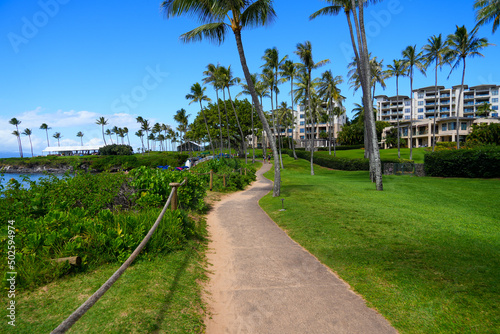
(203, 10)
(259, 13)
(214, 32)
(326, 11)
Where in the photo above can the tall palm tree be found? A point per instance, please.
(435, 51)
(145, 126)
(57, 136)
(140, 134)
(487, 11)
(45, 127)
(14, 121)
(80, 134)
(289, 71)
(397, 69)
(361, 54)
(329, 91)
(102, 122)
(198, 95)
(110, 134)
(241, 15)
(27, 132)
(484, 109)
(246, 91)
(182, 118)
(116, 132)
(412, 58)
(304, 51)
(461, 46)
(125, 132)
(213, 77)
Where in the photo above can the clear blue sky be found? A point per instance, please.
(68, 62)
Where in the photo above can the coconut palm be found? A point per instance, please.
(102, 122)
(14, 121)
(27, 132)
(484, 109)
(435, 51)
(213, 77)
(246, 91)
(145, 126)
(198, 95)
(397, 69)
(241, 15)
(487, 11)
(329, 91)
(304, 51)
(45, 127)
(361, 54)
(110, 134)
(80, 134)
(125, 132)
(182, 118)
(289, 71)
(57, 136)
(140, 134)
(463, 45)
(411, 59)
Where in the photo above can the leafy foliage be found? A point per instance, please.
(484, 134)
(233, 169)
(116, 149)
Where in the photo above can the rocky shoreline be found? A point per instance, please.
(7, 169)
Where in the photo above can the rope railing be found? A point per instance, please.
(73, 318)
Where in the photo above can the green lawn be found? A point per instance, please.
(160, 296)
(418, 154)
(425, 252)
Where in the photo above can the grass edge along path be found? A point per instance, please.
(425, 252)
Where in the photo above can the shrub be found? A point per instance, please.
(116, 149)
(483, 162)
(234, 170)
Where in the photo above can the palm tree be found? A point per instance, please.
(145, 126)
(102, 122)
(57, 136)
(45, 127)
(27, 132)
(435, 51)
(336, 112)
(397, 69)
(241, 14)
(486, 11)
(484, 109)
(461, 46)
(198, 95)
(125, 132)
(329, 91)
(16, 122)
(80, 134)
(289, 71)
(109, 133)
(413, 58)
(246, 91)
(140, 134)
(361, 54)
(182, 118)
(304, 51)
(213, 77)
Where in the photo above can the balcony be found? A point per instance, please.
(468, 97)
(445, 95)
(445, 102)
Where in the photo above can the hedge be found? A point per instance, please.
(482, 162)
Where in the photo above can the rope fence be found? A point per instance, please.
(76, 315)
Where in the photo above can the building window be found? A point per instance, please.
(495, 99)
(420, 116)
(494, 92)
(420, 109)
(420, 103)
(494, 107)
(444, 127)
(463, 126)
(494, 114)
(407, 103)
(302, 116)
(301, 130)
(407, 111)
(420, 95)
(407, 117)
(302, 122)
(301, 137)
(453, 126)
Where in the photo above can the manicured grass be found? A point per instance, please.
(158, 296)
(425, 252)
(418, 154)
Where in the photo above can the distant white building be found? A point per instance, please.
(73, 150)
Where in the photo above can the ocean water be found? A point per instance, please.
(20, 177)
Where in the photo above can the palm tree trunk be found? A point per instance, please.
(47, 134)
(311, 117)
(411, 113)
(103, 137)
(253, 137)
(293, 141)
(435, 104)
(458, 106)
(397, 114)
(330, 121)
(31, 144)
(227, 121)
(277, 176)
(208, 131)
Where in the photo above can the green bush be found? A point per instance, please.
(116, 149)
(342, 147)
(234, 170)
(481, 162)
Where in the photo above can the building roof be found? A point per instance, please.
(429, 88)
(72, 148)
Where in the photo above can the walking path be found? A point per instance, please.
(264, 282)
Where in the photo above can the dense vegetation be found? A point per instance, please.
(116, 149)
(238, 174)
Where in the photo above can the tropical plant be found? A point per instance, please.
(80, 135)
(109, 133)
(45, 127)
(140, 134)
(246, 91)
(329, 91)
(435, 51)
(14, 121)
(304, 51)
(241, 15)
(198, 95)
(57, 136)
(145, 126)
(463, 45)
(27, 132)
(487, 11)
(289, 71)
(397, 69)
(102, 122)
(182, 118)
(411, 59)
(212, 76)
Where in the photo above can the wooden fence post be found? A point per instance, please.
(173, 203)
(211, 179)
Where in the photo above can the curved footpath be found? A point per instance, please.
(261, 281)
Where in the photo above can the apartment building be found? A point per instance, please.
(442, 104)
(303, 130)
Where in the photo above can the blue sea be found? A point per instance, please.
(20, 177)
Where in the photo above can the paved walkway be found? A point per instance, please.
(264, 282)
